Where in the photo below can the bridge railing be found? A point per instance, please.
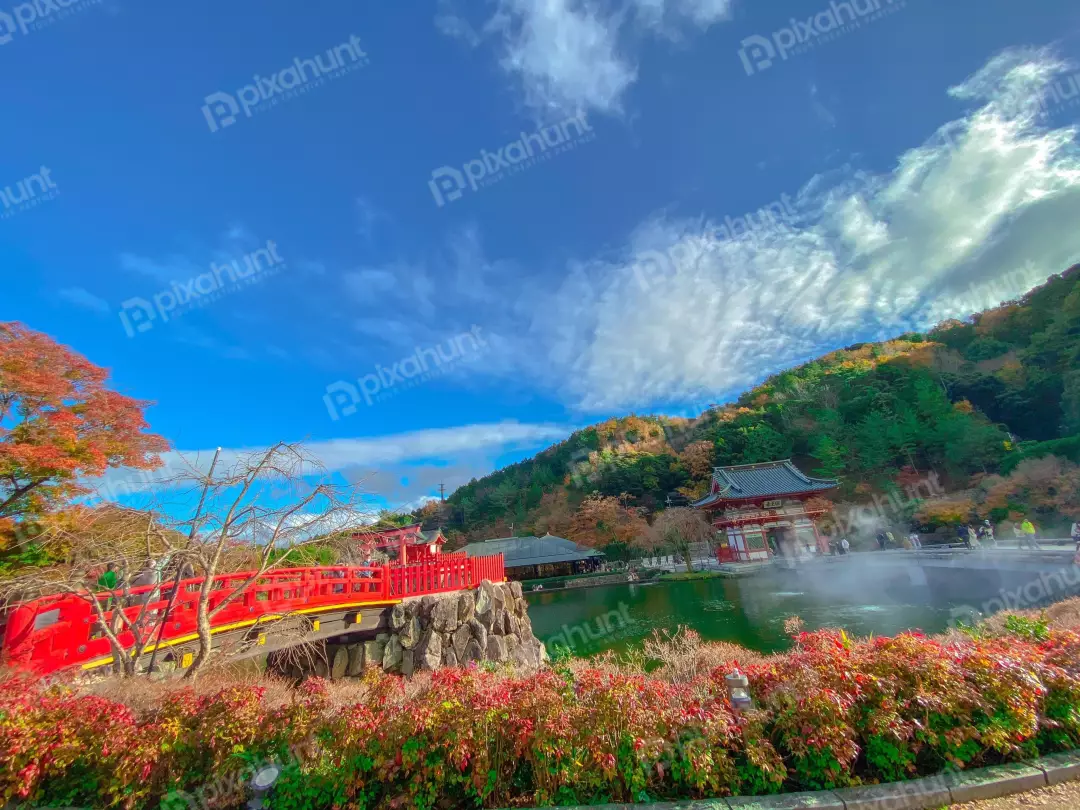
(449, 572)
(56, 632)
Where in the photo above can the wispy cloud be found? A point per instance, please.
(191, 261)
(84, 299)
(689, 311)
(987, 195)
(577, 56)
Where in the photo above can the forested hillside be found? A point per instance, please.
(966, 399)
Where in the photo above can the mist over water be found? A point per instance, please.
(864, 595)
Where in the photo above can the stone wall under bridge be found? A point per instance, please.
(426, 633)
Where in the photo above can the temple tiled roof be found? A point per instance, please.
(762, 480)
(519, 551)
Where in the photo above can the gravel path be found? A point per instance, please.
(1059, 797)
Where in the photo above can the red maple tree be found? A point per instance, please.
(60, 425)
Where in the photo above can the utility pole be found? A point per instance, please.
(442, 492)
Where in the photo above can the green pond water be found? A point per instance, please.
(749, 612)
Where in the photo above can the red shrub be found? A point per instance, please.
(833, 711)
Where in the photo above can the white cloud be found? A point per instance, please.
(565, 54)
(981, 212)
(436, 443)
(702, 13)
(578, 56)
(399, 467)
(84, 299)
(303, 525)
(417, 503)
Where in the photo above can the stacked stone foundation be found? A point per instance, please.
(428, 633)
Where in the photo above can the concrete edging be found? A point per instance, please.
(930, 793)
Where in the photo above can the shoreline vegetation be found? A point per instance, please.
(573, 581)
(679, 576)
(652, 724)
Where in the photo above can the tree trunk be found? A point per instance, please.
(203, 629)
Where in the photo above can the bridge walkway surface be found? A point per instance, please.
(256, 613)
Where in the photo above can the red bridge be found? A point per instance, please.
(278, 609)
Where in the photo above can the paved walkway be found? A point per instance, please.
(1059, 797)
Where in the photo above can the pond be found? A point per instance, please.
(748, 611)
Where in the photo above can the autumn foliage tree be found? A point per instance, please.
(1041, 489)
(607, 520)
(681, 528)
(60, 425)
(698, 459)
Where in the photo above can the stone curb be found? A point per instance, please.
(931, 793)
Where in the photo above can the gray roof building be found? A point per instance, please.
(523, 551)
(773, 478)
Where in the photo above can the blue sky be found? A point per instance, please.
(923, 164)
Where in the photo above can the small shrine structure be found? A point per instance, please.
(406, 544)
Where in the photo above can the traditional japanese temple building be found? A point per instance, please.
(752, 504)
(538, 557)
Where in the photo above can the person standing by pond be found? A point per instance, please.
(1027, 529)
(973, 538)
(844, 546)
(962, 535)
(916, 543)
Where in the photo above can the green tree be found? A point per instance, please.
(1070, 403)
(831, 455)
(764, 443)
